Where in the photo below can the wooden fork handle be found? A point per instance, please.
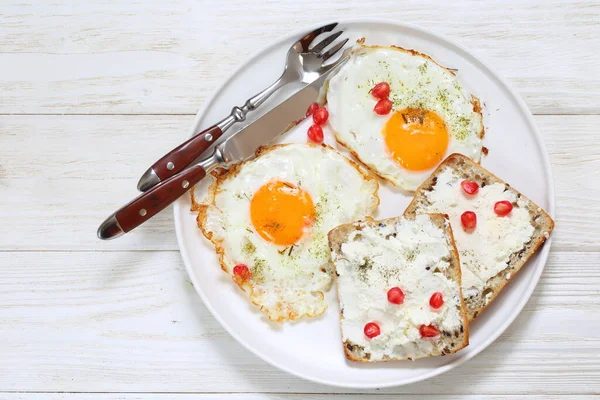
(184, 154)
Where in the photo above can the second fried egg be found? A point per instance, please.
(432, 116)
(269, 218)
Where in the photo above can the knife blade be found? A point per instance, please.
(269, 127)
(239, 147)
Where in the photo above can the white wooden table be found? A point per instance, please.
(92, 92)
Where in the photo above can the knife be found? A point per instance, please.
(237, 148)
(306, 60)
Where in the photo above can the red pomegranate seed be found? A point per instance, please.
(429, 331)
(395, 295)
(381, 90)
(469, 220)
(315, 134)
(372, 330)
(312, 108)
(436, 300)
(320, 116)
(242, 271)
(469, 187)
(503, 208)
(383, 107)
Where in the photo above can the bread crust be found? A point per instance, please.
(542, 222)
(338, 236)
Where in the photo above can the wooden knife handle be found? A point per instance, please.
(156, 199)
(184, 154)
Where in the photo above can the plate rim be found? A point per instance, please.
(178, 206)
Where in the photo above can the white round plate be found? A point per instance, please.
(311, 348)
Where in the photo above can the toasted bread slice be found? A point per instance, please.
(415, 254)
(499, 246)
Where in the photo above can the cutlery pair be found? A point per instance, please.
(172, 176)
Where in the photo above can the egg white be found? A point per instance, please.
(287, 281)
(416, 81)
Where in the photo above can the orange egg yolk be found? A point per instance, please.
(281, 212)
(416, 139)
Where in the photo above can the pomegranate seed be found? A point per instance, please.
(320, 116)
(312, 108)
(395, 295)
(372, 330)
(381, 90)
(469, 220)
(503, 208)
(383, 107)
(436, 300)
(469, 187)
(429, 331)
(242, 271)
(315, 134)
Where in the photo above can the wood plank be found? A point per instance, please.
(259, 396)
(125, 57)
(131, 322)
(74, 173)
(76, 170)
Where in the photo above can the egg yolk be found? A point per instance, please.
(281, 212)
(416, 139)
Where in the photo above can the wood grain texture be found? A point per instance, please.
(260, 396)
(121, 320)
(125, 57)
(74, 176)
(131, 322)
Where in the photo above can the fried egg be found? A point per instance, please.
(432, 115)
(272, 215)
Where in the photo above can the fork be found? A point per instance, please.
(304, 64)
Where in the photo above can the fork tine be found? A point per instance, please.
(327, 55)
(325, 42)
(307, 40)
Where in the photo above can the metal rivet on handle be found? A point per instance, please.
(170, 166)
(208, 137)
(143, 212)
(185, 184)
